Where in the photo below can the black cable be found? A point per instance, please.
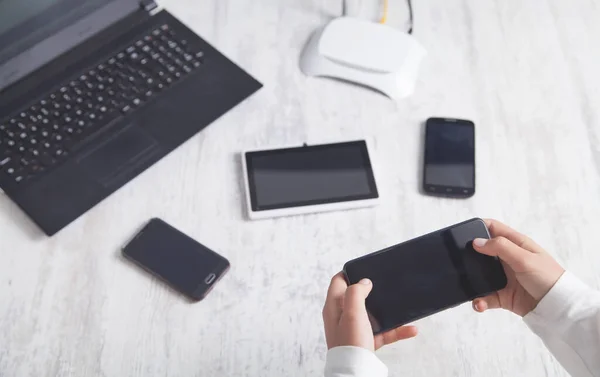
(411, 20)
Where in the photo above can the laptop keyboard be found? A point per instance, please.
(38, 137)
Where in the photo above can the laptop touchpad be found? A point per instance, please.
(119, 155)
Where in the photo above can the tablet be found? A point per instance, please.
(308, 179)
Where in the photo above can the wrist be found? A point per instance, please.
(567, 290)
(539, 291)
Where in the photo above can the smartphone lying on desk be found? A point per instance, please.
(449, 168)
(186, 265)
(426, 275)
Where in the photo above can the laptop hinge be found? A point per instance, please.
(148, 5)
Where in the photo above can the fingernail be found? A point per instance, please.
(480, 306)
(365, 281)
(479, 242)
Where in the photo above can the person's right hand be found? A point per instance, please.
(530, 270)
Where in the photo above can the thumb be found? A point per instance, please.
(513, 255)
(356, 294)
(491, 301)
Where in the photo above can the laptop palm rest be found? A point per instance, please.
(118, 156)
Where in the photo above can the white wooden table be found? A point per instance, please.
(527, 72)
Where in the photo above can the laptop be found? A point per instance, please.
(93, 92)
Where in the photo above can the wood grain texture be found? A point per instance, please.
(525, 71)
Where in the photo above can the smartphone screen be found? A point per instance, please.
(425, 275)
(185, 264)
(449, 157)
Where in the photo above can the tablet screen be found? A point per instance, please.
(311, 175)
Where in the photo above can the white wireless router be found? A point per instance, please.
(367, 53)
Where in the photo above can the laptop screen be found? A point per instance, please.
(33, 32)
(15, 12)
(24, 23)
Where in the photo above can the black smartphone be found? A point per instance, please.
(183, 263)
(449, 168)
(426, 275)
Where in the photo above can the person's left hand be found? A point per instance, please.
(346, 319)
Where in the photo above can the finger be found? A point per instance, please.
(356, 294)
(491, 301)
(498, 229)
(392, 336)
(335, 295)
(514, 256)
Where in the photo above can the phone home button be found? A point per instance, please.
(210, 278)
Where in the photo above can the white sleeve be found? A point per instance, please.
(567, 319)
(353, 362)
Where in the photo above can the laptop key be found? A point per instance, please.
(10, 169)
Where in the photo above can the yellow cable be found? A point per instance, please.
(385, 12)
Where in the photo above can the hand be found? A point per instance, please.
(530, 270)
(346, 319)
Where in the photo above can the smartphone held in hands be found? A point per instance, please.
(426, 275)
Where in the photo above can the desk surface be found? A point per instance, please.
(525, 72)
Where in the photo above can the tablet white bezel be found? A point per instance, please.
(315, 208)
